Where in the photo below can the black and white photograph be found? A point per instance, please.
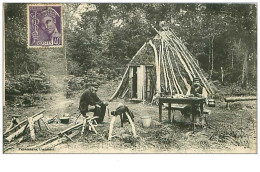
(161, 78)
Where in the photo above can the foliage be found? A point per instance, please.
(218, 35)
(18, 58)
(26, 83)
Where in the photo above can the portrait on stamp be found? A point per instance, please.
(45, 26)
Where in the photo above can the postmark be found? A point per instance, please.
(44, 25)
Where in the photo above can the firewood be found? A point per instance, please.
(17, 133)
(23, 122)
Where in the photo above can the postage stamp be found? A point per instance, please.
(45, 25)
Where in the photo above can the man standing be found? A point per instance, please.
(90, 98)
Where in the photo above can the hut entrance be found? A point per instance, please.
(134, 83)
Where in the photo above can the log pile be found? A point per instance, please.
(27, 125)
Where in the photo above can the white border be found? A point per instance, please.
(128, 162)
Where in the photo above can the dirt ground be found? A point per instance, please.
(229, 131)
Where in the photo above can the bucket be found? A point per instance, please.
(146, 121)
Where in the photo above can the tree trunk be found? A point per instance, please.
(212, 56)
(245, 72)
(232, 58)
(209, 55)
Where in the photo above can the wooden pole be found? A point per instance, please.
(174, 76)
(132, 125)
(56, 137)
(172, 73)
(60, 140)
(167, 72)
(158, 80)
(111, 127)
(194, 64)
(163, 65)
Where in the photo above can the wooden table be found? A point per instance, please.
(181, 100)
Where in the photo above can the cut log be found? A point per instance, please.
(31, 127)
(23, 122)
(17, 133)
(234, 99)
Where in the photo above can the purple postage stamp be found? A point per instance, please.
(45, 25)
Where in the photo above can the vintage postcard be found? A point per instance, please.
(130, 78)
(45, 25)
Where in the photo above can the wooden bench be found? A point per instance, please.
(179, 107)
(235, 99)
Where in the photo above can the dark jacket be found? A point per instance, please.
(86, 99)
(196, 90)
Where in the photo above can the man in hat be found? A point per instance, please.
(196, 90)
(90, 98)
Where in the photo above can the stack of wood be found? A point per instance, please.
(177, 65)
(19, 130)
